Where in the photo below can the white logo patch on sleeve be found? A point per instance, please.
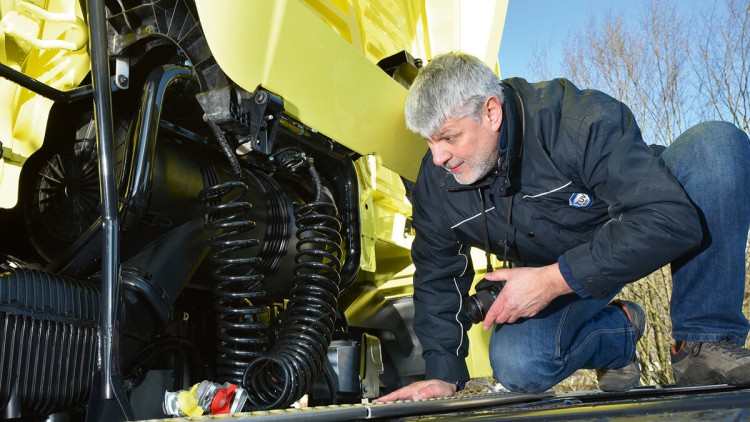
(580, 200)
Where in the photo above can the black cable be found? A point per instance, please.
(329, 380)
(486, 234)
(507, 230)
(226, 149)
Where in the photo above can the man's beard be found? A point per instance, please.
(481, 169)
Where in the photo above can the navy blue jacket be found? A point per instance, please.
(583, 189)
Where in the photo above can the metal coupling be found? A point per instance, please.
(205, 397)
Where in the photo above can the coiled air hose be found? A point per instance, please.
(297, 358)
(242, 337)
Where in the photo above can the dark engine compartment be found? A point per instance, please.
(238, 246)
(231, 269)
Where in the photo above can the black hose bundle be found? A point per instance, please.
(299, 354)
(242, 336)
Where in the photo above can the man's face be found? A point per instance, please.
(467, 148)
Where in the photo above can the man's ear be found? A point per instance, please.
(494, 112)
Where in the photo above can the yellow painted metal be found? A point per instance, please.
(326, 83)
(400, 285)
(376, 28)
(478, 360)
(384, 210)
(386, 237)
(46, 43)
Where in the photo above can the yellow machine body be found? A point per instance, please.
(46, 41)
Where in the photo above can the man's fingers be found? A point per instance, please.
(400, 394)
(418, 391)
(498, 275)
(495, 311)
(386, 398)
(396, 395)
(425, 393)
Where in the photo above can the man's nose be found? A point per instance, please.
(440, 154)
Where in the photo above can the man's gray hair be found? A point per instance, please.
(452, 85)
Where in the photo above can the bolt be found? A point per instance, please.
(122, 80)
(261, 97)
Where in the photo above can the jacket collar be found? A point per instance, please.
(504, 178)
(510, 163)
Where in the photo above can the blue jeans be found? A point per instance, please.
(712, 161)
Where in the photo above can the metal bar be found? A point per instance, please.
(30, 83)
(108, 401)
(43, 89)
(387, 411)
(452, 404)
(139, 166)
(660, 404)
(110, 216)
(709, 403)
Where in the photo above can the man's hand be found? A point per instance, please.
(526, 292)
(420, 390)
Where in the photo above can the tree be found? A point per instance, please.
(645, 65)
(722, 64)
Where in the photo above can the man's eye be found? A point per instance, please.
(450, 139)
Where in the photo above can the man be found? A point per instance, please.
(558, 181)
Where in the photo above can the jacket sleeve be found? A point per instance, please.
(443, 275)
(652, 221)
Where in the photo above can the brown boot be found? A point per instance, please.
(629, 376)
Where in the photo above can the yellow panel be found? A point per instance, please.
(478, 360)
(326, 83)
(48, 45)
(383, 209)
(341, 16)
(11, 173)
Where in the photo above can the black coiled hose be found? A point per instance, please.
(241, 336)
(297, 357)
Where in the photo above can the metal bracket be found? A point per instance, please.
(251, 118)
(121, 78)
(371, 366)
(402, 67)
(261, 112)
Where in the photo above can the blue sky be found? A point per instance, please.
(548, 22)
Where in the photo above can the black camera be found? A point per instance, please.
(476, 306)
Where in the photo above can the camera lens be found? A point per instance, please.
(477, 305)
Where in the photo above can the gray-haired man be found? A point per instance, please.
(558, 181)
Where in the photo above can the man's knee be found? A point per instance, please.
(522, 374)
(716, 139)
(722, 131)
(524, 370)
(710, 157)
